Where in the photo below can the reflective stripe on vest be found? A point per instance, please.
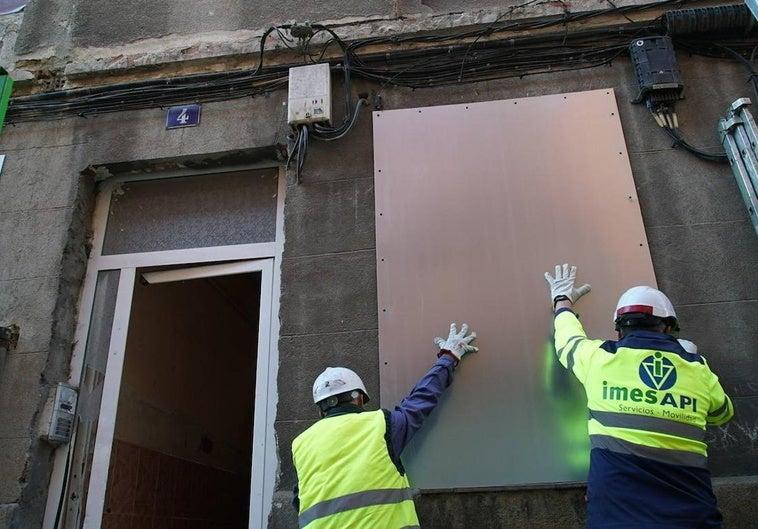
(346, 477)
(650, 424)
(574, 342)
(646, 395)
(355, 501)
(665, 455)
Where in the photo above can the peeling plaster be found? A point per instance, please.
(173, 49)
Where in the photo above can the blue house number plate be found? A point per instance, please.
(184, 116)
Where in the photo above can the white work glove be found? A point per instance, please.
(457, 342)
(563, 284)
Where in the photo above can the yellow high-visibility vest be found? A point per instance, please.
(346, 477)
(646, 395)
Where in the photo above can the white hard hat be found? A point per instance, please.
(646, 300)
(337, 380)
(688, 346)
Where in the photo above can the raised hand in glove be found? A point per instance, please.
(562, 284)
(457, 343)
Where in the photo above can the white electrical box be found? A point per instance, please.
(309, 98)
(58, 427)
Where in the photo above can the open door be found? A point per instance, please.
(175, 359)
(182, 444)
(179, 438)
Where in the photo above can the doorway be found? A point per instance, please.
(176, 356)
(182, 444)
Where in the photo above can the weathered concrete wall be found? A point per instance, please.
(56, 43)
(111, 23)
(45, 219)
(43, 216)
(701, 241)
(329, 292)
(703, 247)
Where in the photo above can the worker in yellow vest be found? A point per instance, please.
(649, 401)
(348, 463)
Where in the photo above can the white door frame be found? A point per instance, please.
(261, 257)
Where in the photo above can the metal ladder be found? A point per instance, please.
(739, 136)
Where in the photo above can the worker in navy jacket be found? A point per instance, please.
(348, 463)
(649, 401)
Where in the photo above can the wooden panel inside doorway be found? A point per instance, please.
(474, 203)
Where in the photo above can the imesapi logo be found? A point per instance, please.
(659, 374)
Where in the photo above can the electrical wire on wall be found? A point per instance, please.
(481, 60)
(661, 87)
(697, 31)
(432, 72)
(321, 131)
(297, 149)
(672, 130)
(718, 50)
(499, 50)
(297, 141)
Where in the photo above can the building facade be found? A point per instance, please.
(187, 261)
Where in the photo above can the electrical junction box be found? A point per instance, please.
(59, 415)
(309, 94)
(656, 68)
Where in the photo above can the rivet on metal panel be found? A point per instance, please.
(408, 204)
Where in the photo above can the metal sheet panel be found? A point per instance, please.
(474, 202)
